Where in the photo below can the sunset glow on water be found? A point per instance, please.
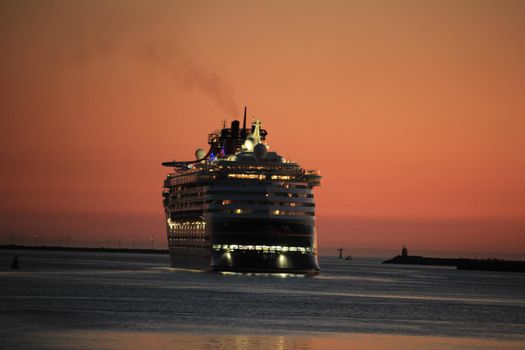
(65, 300)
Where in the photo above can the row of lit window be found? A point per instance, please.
(264, 248)
(293, 195)
(189, 238)
(250, 202)
(242, 193)
(179, 180)
(292, 213)
(279, 168)
(247, 176)
(189, 186)
(259, 176)
(281, 177)
(188, 195)
(186, 233)
(190, 246)
(253, 193)
(241, 211)
(186, 224)
(189, 204)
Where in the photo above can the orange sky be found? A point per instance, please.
(413, 111)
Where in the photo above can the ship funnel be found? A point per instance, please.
(235, 129)
(243, 132)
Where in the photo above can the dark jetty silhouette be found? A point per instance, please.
(459, 263)
(84, 249)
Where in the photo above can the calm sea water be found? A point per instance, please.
(64, 300)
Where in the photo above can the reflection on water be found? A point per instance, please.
(262, 274)
(134, 340)
(78, 300)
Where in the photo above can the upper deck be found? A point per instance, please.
(238, 154)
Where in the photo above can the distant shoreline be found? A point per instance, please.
(84, 249)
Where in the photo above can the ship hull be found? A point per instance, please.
(242, 261)
(264, 262)
(262, 244)
(190, 258)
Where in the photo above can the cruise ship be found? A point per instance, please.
(241, 207)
